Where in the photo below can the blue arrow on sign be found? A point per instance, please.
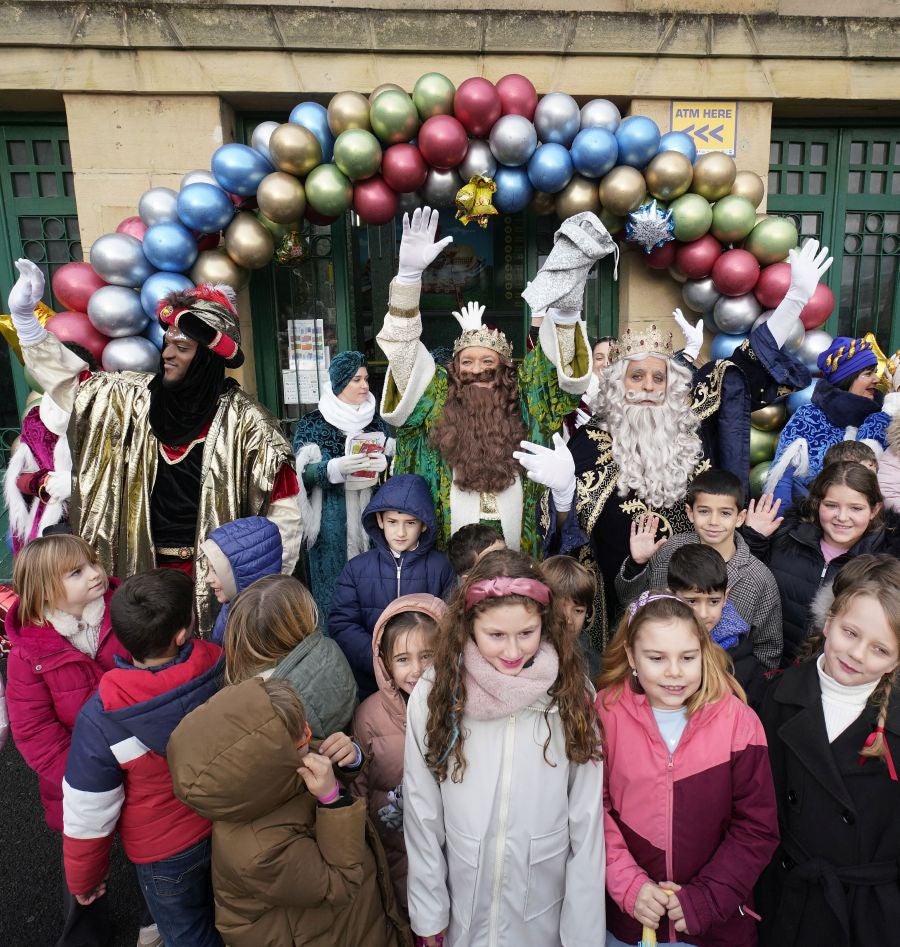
(701, 133)
(689, 130)
(716, 132)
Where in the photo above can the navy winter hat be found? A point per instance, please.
(343, 367)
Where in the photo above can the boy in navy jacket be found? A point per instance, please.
(117, 775)
(400, 520)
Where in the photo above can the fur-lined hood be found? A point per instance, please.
(892, 435)
(820, 607)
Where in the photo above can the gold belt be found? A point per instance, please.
(176, 552)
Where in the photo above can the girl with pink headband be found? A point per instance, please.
(503, 783)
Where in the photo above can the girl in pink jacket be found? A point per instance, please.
(690, 819)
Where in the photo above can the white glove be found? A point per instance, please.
(562, 317)
(58, 483)
(339, 468)
(377, 462)
(693, 335)
(552, 467)
(469, 317)
(807, 266)
(23, 297)
(417, 247)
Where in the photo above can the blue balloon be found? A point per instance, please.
(638, 138)
(724, 344)
(155, 333)
(514, 190)
(239, 168)
(550, 168)
(680, 142)
(204, 208)
(314, 117)
(800, 398)
(159, 285)
(170, 247)
(594, 152)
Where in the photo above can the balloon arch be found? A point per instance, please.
(484, 147)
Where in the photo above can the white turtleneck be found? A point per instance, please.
(82, 633)
(841, 703)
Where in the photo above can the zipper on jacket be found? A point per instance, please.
(399, 567)
(670, 818)
(505, 787)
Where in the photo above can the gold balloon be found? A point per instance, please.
(750, 185)
(543, 203)
(714, 175)
(578, 195)
(348, 110)
(281, 197)
(279, 231)
(384, 87)
(622, 190)
(613, 222)
(295, 149)
(769, 418)
(248, 243)
(669, 175)
(216, 266)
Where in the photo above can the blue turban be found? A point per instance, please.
(343, 367)
(845, 357)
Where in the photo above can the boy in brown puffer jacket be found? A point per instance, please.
(294, 859)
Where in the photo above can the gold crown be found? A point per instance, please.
(649, 342)
(486, 338)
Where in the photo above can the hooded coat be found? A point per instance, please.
(371, 581)
(379, 728)
(285, 870)
(889, 467)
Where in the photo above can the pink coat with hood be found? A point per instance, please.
(379, 727)
(889, 466)
(48, 682)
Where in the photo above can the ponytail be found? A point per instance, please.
(876, 746)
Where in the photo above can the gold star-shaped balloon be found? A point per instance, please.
(474, 201)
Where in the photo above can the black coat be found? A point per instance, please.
(794, 556)
(835, 879)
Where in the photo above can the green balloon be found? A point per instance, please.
(758, 475)
(328, 190)
(732, 219)
(278, 231)
(692, 215)
(770, 240)
(393, 117)
(357, 153)
(762, 445)
(433, 95)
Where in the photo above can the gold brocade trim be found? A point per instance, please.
(410, 313)
(708, 393)
(180, 458)
(488, 509)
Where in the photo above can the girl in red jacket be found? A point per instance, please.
(62, 643)
(690, 808)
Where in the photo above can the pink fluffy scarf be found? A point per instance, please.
(491, 694)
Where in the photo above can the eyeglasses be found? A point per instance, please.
(304, 741)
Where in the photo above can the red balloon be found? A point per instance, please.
(403, 168)
(374, 201)
(735, 272)
(443, 141)
(819, 308)
(133, 226)
(74, 283)
(517, 96)
(477, 105)
(76, 327)
(773, 284)
(207, 241)
(661, 258)
(695, 259)
(320, 220)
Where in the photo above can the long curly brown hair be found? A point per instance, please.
(570, 693)
(479, 428)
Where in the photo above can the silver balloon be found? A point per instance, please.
(735, 314)
(198, 177)
(157, 206)
(513, 140)
(710, 323)
(557, 118)
(600, 113)
(133, 353)
(116, 311)
(441, 187)
(676, 274)
(407, 203)
(119, 259)
(794, 340)
(815, 342)
(479, 159)
(700, 294)
(259, 140)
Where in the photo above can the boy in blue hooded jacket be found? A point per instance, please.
(401, 522)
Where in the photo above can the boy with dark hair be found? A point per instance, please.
(715, 506)
(117, 775)
(469, 543)
(857, 452)
(575, 588)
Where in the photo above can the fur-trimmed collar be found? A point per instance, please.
(841, 408)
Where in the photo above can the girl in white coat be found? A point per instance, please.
(503, 784)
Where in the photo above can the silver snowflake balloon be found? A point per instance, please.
(650, 227)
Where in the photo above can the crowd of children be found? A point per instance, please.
(447, 758)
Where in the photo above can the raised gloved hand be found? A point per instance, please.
(693, 335)
(58, 483)
(553, 467)
(417, 246)
(23, 297)
(808, 265)
(469, 317)
(339, 468)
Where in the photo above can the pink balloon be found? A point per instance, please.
(735, 272)
(374, 201)
(477, 105)
(661, 258)
(74, 283)
(77, 328)
(133, 226)
(443, 141)
(403, 168)
(320, 220)
(819, 308)
(696, 259)
(773, 284)
(517, 96)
